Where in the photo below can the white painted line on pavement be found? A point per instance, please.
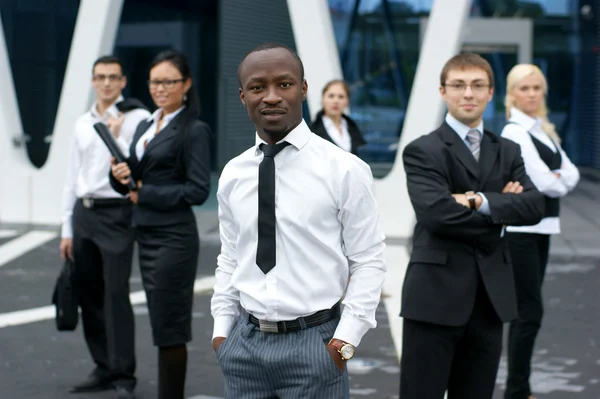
(397, 261)
(8, 233)
(23, 244)
(20, 317)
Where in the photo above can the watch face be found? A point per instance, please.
(347, 351)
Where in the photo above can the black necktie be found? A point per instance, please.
(265, 252)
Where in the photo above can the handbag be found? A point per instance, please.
(65, 298)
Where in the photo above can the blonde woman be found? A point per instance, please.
(554, 176)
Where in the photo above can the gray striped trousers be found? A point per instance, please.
(292, 365)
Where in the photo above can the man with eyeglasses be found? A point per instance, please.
(465, 184)
(96, 233)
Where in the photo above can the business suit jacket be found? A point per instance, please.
(452, 244)
(167, 192)
(356, 138)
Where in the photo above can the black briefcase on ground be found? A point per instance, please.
(65, 299)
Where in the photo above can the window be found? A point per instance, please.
(38, 38)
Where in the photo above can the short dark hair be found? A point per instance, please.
(108, 59)
(467, 61)
(270, 46)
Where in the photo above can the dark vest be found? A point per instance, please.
(553, 160)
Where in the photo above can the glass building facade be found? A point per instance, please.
(38, 36)
(149, 26)
(378, 42)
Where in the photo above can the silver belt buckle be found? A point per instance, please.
(268, 326)
(88, 202)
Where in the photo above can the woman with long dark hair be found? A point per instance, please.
(170, 161)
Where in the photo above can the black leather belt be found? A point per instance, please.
(315, 319)
(103, 202)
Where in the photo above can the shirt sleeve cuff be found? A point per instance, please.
(67, 230)
(351, 330)
(566, 182)
(223, 326)
(485, 205)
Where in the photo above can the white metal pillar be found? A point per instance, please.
(425, 109)
(316, 46)
(27, 194)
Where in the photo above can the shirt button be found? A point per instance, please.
(271, 280)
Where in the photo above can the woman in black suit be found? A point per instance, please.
(331, 123)
(170, 161)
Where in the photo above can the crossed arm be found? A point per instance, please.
(445, 214)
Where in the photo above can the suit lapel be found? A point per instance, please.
(141, 129)
(460, 150)
(164, 136)
(487, 155)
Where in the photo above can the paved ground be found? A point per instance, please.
(38, 362)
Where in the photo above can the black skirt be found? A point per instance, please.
(168, 258)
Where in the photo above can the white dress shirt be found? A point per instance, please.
(537, 170)
(89, 159)
(341, 140)
(153, 129)
(327, 229)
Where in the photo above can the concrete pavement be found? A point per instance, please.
(36, 361)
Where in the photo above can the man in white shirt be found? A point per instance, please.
(97, 236)
(279, 329)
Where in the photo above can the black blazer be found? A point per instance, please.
(168, 192)
(356, 138)
(453, 245)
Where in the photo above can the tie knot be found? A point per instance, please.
(270, 150)
(473, 136)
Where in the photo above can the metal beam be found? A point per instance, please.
(316, 46)
(30, 195)
(425, 109)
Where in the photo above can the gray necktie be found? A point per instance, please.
(474, 138)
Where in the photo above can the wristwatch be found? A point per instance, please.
(345, 350)
(471, 198)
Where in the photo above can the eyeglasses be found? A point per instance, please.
(167, 84)
(461, 87)
(102, 78)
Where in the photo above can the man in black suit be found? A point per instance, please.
(465, 185)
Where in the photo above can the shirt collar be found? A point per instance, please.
(110, 111)
(155, 117)
(460, 128)
(329, 123)
(298, 137)
(521, 118)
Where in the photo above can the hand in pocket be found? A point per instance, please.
(337, 358)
